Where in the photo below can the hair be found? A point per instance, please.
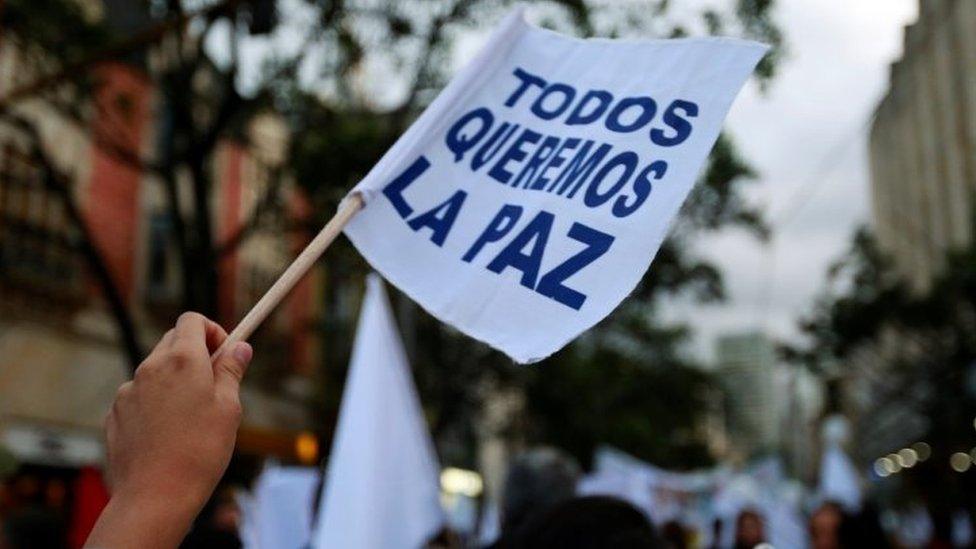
(590, 522)
(536, 480)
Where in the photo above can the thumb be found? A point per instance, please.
(231, 365)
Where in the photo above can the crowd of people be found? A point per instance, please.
(540, 504)
(171, 433)
(540, 508)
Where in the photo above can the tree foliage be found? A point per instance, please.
(349, 75)
(921, 349)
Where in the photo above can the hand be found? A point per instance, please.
(170, 435)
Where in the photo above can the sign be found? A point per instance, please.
(529, 199)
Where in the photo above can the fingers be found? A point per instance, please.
(189, 327)
(230, 367)
(194, 329)
(215, 335)
(193, 338)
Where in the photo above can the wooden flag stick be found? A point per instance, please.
(280, 289)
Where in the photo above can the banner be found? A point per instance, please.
(279, 513)
(529, 199)
(707, 502)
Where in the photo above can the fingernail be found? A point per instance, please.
(242, 352)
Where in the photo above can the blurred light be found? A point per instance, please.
(908, 457)
(960, 462)
(881, 467)
(461, 481)
(888, 465)
(895, 462)
(923, 450)
(307, 448)
(972, 455)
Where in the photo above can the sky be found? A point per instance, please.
(807, 138)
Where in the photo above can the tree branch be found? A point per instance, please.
(57, 183)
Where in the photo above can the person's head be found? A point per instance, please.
(445, 539)
(825, 526)
(26, 489)
(674, 535)
(55, 493)
(749, 530)
(537, 479)
(716, 531)
(862, 529)
(591, 522)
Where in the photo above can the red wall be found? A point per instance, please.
(112, 204)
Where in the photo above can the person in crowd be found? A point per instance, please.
(218, 524)
(825, 525)
(591, 522)
(33, 528)
(716, 534)
(674, 535)
(445, 539)
(749, 530)
(170, 436)
(941, 529)
(863, 529)
(30, 522)
(537, 480)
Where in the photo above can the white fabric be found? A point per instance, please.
(279, 513)
(962, 529)
(507, 250)
(381, 490)
(839, 480)
(490, 528)
(696, 499)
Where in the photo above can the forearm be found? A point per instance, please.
(140, 522)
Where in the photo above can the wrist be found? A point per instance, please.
(165, 492)
(139, 518)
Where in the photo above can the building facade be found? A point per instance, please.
(922, 152)
(60, 357)
(923, 143)
(746, 371)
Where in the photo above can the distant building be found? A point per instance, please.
(923, 179)
(803, 401)
(746, 370)
(923, 142)
(60, 360)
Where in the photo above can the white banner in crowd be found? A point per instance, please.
(699, 499)
(529, 199)
(382, 488)
(839, 480)
(279, 513)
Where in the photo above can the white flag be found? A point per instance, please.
(382, 487)
(279, 513)
(839, 480)
(529, 199)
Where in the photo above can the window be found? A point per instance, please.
(37, 250)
